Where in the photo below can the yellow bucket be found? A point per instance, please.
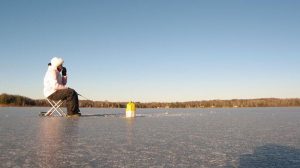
(130, 110)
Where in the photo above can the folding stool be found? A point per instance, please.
(55, 109)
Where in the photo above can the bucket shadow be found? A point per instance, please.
(271, 156)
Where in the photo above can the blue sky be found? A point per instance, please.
(155, 50)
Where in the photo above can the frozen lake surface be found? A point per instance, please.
(239, 137)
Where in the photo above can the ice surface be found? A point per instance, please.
(254, 137)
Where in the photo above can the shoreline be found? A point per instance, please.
(3, 105)
(7, 100)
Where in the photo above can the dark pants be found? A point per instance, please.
(71, 96)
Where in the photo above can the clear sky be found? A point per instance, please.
(153, 50)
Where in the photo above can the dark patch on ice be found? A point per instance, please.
(271, 155)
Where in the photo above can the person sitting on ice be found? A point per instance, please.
(55, 86)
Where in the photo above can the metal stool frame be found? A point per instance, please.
(55, 109)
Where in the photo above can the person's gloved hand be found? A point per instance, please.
(64, 71)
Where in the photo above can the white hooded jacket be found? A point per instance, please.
(53, 81)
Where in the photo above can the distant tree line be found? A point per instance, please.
(16, 100)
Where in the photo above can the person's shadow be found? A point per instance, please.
(271, 156)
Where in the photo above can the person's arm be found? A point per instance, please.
(54, 81)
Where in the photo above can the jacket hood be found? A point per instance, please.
(55, 62)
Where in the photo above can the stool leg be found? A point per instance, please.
(55, 108)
